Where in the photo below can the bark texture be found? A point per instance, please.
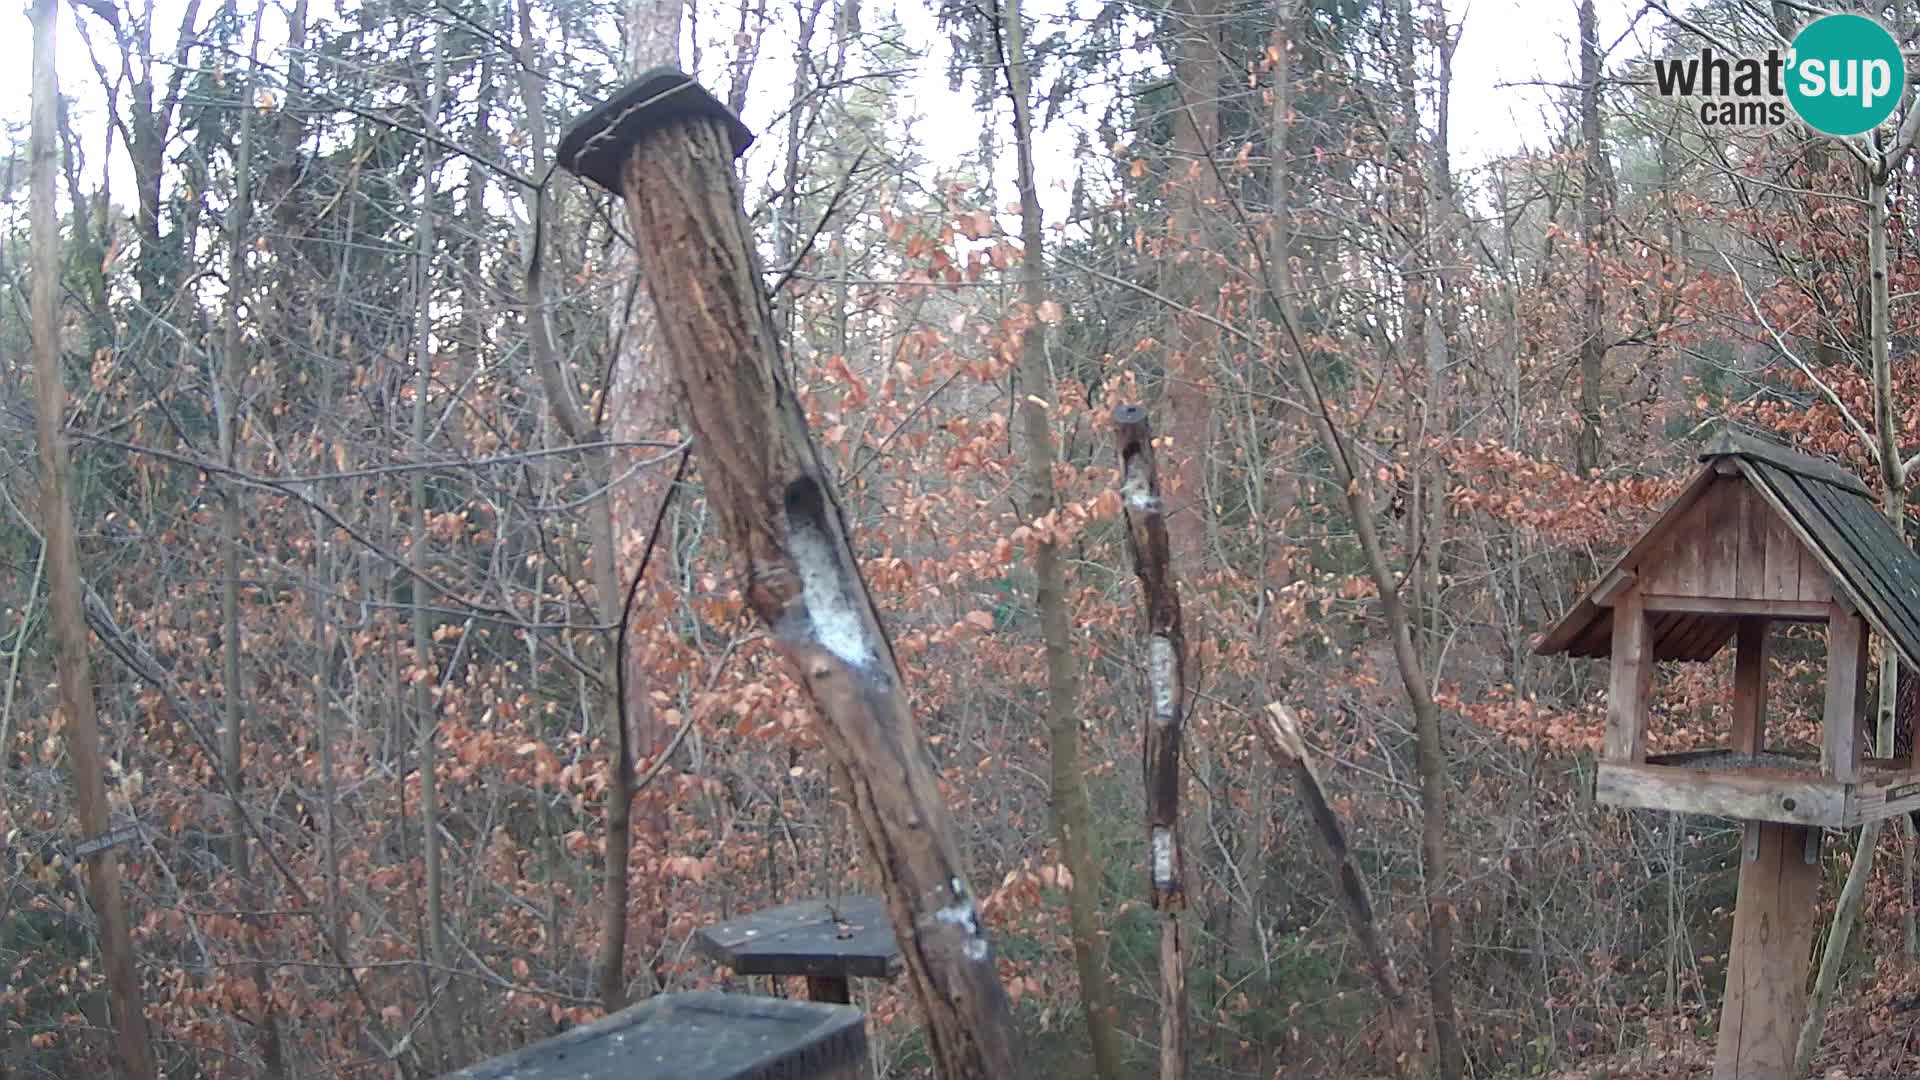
(1596, 184)
(792, 555)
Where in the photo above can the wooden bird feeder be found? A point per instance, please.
(829, 941)
(697, 1036)
(1763, 534)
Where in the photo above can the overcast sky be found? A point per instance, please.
(1508, 47)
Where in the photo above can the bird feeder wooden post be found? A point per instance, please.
(666, 146)
(1762, 535)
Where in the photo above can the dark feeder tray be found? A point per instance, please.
(827, 940)
(704, 1035)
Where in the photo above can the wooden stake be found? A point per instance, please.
(1767, 966)
(1160, 745)
(667, 146)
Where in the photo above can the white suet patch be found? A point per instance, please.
(1160, 840)
(1162, 667)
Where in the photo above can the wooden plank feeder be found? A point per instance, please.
(697, 1036)
(1763, 534)
(829, 941)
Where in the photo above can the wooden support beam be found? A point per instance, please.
(1617, 581)
(1773, 923)
(1632, 677)
(1737, 794)
(1846, 691)
(667, 146)
(1750, 686)
(1786, 610)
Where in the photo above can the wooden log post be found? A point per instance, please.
(667, 147)
(1160, 747)
(1773, 919)
(1773, 922)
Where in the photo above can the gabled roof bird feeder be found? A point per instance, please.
(1762, 534)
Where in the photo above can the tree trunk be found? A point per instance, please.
(71, 662)
(449, 1031)
(1193, 342)
(231, 402)
(1431, 761)
(791, 548)
(1595, 186)
(1279, 729)
(1893, 495)
(1072, 817)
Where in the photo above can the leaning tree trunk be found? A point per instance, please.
(1279, 729)
(667, 146)
(1166, 713)
(74, 668)
(1072, 816)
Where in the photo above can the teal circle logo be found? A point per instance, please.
(1846, 74)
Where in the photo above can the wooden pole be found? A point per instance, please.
(1773, 917)
(71, 662)
(1773, 924)
(1160, 746)
(667, 147)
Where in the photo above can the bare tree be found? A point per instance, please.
(1072, 818)
(64, 584)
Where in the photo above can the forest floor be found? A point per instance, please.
(1873, 1035)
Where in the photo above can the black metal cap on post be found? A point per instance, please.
(595, 147)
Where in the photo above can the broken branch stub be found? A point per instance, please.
(1279, 728)
(667, 147)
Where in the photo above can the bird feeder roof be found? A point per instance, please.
(1829, 511)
